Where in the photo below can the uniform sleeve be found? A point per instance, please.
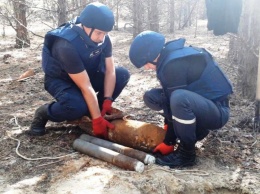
(108, 47)
(68, 56)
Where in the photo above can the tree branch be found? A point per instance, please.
(195, 3)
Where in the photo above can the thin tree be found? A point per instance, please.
(2, 21)
(171, 15)
(153, 15)
(22, 36)
(62, 12)
(137, 17)
(117, 7)
(188, 12)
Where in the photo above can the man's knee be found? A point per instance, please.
(69, 107)
(179, 98)
(122, 74)
(153, 99)
(147, 98)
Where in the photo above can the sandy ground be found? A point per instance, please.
(228, 160)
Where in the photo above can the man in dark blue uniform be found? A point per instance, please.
(79, 71)
(193, 97)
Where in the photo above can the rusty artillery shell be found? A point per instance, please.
(136, 134)
(139, 155)
(108, 155)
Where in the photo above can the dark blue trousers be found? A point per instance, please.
(192, 114)
(70, 104)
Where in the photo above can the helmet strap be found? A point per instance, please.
(92, 30)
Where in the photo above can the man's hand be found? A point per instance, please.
(164, 149)
(106, 107)
(100, 127)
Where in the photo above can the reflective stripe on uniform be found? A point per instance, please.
(187, 122)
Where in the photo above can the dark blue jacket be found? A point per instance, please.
(89, 52)
(193, 69)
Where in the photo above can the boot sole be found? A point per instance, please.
(33, 133)
(176, 166)
(183, 165)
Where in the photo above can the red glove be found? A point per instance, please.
(106, 107)
(100, 126)
(165, 127)
(164, 149)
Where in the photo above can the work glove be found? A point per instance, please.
(164, 149)
(100, 127)
(106, 107)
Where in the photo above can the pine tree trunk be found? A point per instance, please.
(153, 15)
(137, 17)
(171, 15)
(22, 37)
(62, 14)
(244, 48)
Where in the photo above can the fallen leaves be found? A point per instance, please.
(28, 73)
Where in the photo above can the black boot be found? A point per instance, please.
(39, 121)
(182, 157)
(201, 134)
